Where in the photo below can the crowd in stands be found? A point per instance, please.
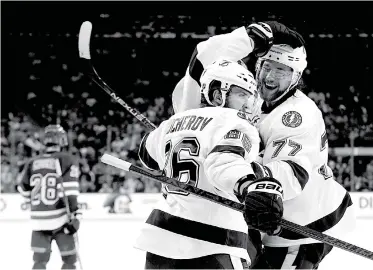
(89, 139)
(96, 124)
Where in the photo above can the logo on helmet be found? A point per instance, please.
(292, 119)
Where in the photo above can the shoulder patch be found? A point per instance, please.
(292, 119)
(246, 143)
(233, 134)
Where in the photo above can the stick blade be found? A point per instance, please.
(84, 40)
(116, 162)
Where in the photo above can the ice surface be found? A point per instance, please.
(107, 244)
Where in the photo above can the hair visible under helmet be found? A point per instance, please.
(222, 75)
(55, 135)
(284, 54)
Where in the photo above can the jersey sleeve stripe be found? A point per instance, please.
(229, 149)
(70, 184)
(72, 192)
(69, 180)
(195, 67)
(197, 230)
(299, 172)
(323, 224)
(145, 157)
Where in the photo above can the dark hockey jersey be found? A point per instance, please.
(40, 183)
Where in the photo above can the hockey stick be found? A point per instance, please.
(124, 165)
(68, 211)
(89, 70)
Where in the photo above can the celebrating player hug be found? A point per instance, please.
(295, 146)
(223, 161)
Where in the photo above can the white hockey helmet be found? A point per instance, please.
(286, 55)
(228, 73)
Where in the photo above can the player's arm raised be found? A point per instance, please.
(233, 46)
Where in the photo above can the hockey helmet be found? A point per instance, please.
(226, 74)
(55, 135)
(284, 54)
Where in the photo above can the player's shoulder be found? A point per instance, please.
(221, 115)
(226, 119)
(64, 157)
(208, 120)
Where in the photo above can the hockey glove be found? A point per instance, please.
(284, 35)
(73, 225)
(260, 170)
(262, 36)
(263, 204)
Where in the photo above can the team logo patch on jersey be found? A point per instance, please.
(233, 134)
(292, 119)
(246, 143)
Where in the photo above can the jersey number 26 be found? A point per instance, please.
(181, 164)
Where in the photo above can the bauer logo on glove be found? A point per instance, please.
(267, 186)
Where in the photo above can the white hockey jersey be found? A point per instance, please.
(296, 149)
(232, 46)
(296, 154)
(210, 148)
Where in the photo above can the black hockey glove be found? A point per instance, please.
(284, 35)
(262, 36)
(260, 171)
(263, 203)
(73, 225)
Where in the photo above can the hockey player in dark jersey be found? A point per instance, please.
(47, 181)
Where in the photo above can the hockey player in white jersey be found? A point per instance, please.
(295, 149)
(211, 148)
(295, 152)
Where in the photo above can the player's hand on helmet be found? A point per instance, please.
(262, 36)
(73, 225)
(284, 35)
(263, 203)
